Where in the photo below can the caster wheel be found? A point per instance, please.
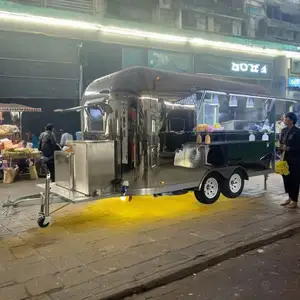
(41, 222)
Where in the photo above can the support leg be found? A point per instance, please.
(265, 182)
(44, 215)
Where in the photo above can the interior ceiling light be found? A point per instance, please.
(5, 15)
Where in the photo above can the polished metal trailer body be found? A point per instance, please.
(140, 137)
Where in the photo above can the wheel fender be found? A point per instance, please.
(227, 172)
(224, 173)
(204, 175)
(244, 172)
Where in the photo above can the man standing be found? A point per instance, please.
(290, 144)
(66, 136)
(47, 145)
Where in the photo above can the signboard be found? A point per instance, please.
(244, 67)
(255, 10)
(233, 67)
(133, 57)
(170, 61)
(294, 82)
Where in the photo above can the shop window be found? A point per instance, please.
(295, 66)
(82, 6)
(234, 113)
(132, 57)
(297, 37)
(95, 120)
(237, 28)
(168, 17)
(223, 25)
(136, 11)
(193, 20)
(170, 61)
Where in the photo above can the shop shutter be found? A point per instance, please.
(82, 6)
(36, 66)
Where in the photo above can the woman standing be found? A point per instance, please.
(290, 144)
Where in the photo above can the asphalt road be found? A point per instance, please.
(270, 273)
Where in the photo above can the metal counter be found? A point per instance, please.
(94, 165)
(64, 169)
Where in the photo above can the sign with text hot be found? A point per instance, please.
(233, 66)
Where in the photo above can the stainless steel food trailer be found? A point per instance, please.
(155, 132)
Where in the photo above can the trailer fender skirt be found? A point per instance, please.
(226, 172)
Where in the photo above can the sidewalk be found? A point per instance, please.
(102, 249)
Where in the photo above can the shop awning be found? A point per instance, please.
(12, 107)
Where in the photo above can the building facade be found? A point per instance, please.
(50, 64)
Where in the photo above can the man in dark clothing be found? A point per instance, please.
(47, 145)
(290, 144)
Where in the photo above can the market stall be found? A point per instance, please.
(15, 111)
(17, 156)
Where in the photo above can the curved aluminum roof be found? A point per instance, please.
(168, 85)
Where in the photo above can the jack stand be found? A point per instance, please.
(265, 182)
(44, 214)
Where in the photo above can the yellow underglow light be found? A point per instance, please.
(132, 33)
(123, 198)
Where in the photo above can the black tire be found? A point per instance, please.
(234, 185)
(210, 189)
(41, 221)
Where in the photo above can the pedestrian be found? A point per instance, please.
(290, 146)
(47, 145)
(65, 137)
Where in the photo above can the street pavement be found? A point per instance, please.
(269, 273)
(110, 249)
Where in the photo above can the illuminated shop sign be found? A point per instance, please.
(294, 82)
(233, 66)
(244, 67)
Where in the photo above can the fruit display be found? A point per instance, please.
(17, 152)
(7, 130)
(209, 128)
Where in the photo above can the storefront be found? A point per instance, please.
(293, 86)
(50, 73)
(254, 70)
(40, 71)
(158, 59)
(261, 70)
(99, 59)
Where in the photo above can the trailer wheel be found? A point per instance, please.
(234, 185)
(210, 189)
